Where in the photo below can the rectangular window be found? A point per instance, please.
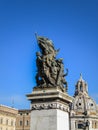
(1, 121)
(75, 125)
(12, 123)
(7, 122)
(27, 123)
(80, 126)
(20, 123)
(92, 124)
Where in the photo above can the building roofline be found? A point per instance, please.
(8, 107)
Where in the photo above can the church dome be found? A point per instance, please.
(83, 103)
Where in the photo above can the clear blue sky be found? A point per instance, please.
(73, 27)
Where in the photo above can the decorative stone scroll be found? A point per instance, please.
(54, 105)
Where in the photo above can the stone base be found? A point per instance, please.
(49, 109)
(51, 119)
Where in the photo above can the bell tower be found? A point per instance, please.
(83, 108)
(81, 87)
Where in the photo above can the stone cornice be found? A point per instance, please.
(82, 117)
(52, 105)
(49, 95)
(7, 113)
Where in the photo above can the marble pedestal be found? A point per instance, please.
(49, 109)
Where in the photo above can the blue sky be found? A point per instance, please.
(73, 27)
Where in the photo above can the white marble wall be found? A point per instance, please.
(62, 120)
(51, 119)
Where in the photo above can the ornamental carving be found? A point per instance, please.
(49, 106)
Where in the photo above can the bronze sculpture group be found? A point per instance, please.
(50, 71)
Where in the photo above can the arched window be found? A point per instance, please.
(81, 88)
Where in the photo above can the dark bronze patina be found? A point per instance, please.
(50, 71)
